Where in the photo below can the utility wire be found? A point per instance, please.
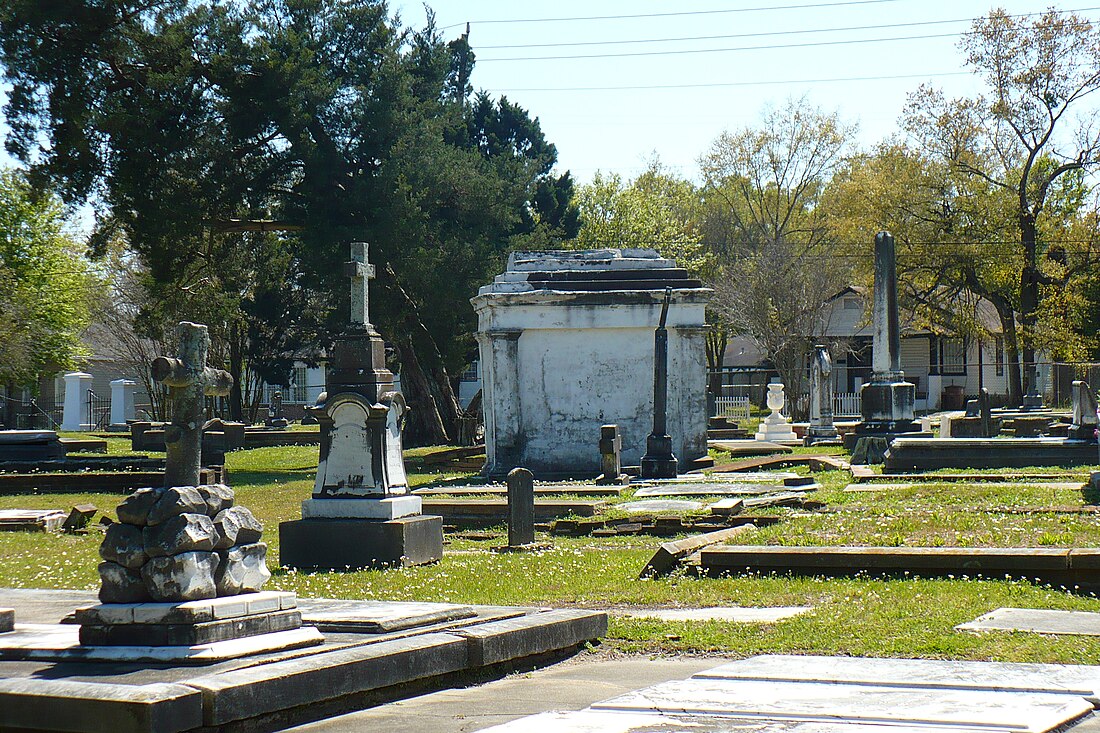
(712, 85)
(666, 15)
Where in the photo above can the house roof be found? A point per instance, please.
(855, 324)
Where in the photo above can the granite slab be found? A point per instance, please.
(734, 614)
(1039, 621)
(1069, 679)
(875, 487)
(716, 489)
(824, 702)
(760, 477)
(188, 611)
(659, 505)
(190, 634)
(31, 520)
(378, 616)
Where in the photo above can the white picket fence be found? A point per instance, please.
(846, 403)
(732, 407)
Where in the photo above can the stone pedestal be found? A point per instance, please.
(77, 411)
(887, 412)
(775, 426)
(337, 544)
(122, 403)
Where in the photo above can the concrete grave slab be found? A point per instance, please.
(378, 616)
(717, 489)
(1067, 679)
(31, 520)
(875, 487)
(760, 477)
(1039, 621)
(826, 702)
(733, 614)
(659, 505)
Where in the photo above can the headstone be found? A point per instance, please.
(821, 426)
(659, 461)
(775, 427)
(1084, 412)
(77, 414)
(79, 517)
(361, 491)
(887, 401)
(189, 381)
(566, 342)
(521, 507)
(275, 416)
(122, 403)
(611, 445)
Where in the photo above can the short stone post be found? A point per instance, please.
(521, 507)
(78, 413)
(190, 381)
(122, 402)
(611, 446)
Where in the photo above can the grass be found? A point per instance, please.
(901, 617)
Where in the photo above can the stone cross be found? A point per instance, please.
(361, 273)
(189, 380)
(611, 446)
(521, 507)
(886, 348)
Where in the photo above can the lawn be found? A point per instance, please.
(903, 617)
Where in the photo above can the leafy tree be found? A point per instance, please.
(762, 220)
(46, 288)
(1019, 141)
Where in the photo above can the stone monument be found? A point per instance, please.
(659, 461)
(821, 426)
(611, 467)
(566, 345)
(776, 426)
(887, 400)
(275, 416)
(1085, 416)
(361, 513)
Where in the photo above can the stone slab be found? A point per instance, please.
(865, 488)
(392, 507)
(1064, 679)
(759, 477)
(827, 702)
(659, 505)
(669, 554)
(356, 543)
(61, 643)
(378, 617)
(188, 611)
(1039, 621)
(716, 489)
(31, 520)
(925, 454)
(541, 489)
(7, 619)
(748, 447)
(732, 614)
(92, 707)
(189, 634)
(537, 633)
(497, 509)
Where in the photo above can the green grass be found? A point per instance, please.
(903, 617)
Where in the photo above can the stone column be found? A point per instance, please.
(500, 361)
(687, 411)
(521, 507)
(659, 460)
(886, 354)
(77, 414)
(122, 402)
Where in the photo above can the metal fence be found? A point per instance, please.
(1063, 375)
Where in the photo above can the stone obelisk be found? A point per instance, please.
(659, 461)
(887, 400)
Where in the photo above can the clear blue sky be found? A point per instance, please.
(613, 113)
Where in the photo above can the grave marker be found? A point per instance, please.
(821, 426)
(611, 446)
(521, 507)
(659, 460)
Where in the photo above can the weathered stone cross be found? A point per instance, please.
(190, 381)
(361, 273)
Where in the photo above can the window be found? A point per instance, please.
(298, 385)
(952, 356)
(999, 355)
(470, 375)
(852, 304)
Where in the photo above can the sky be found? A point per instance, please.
(616, 83)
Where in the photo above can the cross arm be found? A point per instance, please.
(174, 373)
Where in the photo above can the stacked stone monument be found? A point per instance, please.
(887, 401)
(776, 427)
(821, 428)
(361, 513)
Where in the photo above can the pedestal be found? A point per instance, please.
(336, 544)
(659, 460)
(820, 434)
(775, 428)
(77, 412)
(887, 409)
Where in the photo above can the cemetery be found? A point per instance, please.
(412, 428)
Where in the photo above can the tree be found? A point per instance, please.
(777, 264)
(46, 288)
(1019, 141)
(288, 128)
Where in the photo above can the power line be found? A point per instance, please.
(666, 15)
(736, 83)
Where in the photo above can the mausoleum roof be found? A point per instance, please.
(600, 270)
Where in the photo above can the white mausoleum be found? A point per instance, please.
(566, 345)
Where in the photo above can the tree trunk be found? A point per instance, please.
(425, 424)
(791, 365)
(236, 368)
(9, 406)
(1029, 302)
(1012, 356)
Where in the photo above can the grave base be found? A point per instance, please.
(936, 453)
(335, 544)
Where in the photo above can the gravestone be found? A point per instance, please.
(775, 427)
(978, 421)
(31, 445)
(887, 401)
(361, 513)
(275, 416)
(659, 461)
(1085, 416)
(122, 404)
(189, 381)
(611, 445)
(821, 426)
(566, 345)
